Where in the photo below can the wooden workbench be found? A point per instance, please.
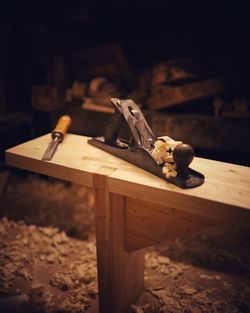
(135, 209)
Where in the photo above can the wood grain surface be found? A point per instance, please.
(135, 209)
(120, 273)
(225, 195)
(148, 224)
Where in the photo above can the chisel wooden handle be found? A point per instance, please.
(62, 127)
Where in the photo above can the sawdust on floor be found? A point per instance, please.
(48, 260)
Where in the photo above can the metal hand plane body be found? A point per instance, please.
(143, 147)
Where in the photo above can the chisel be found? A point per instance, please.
(57, 135)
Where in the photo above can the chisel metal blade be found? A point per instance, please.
(57, 135)
(50, 150)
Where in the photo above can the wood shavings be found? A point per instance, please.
(137, 309)
(187, 290)
(61, 281)
(155, 282)
(163, 155)
(25, 273)
(77, 277)
(193, 274)
(151, 261)
(37, 288)
(58, 204)
(163, 260)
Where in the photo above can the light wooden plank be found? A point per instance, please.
(74, 160)
(148, 224)
(225, 195)
(120, 274)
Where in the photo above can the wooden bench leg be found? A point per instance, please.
(120, 273)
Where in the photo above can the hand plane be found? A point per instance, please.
(162, 156)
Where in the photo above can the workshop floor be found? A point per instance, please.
(48, 262)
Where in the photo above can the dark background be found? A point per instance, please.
(215, 35)
(149, 32)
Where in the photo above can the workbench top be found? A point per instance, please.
(225, 195)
